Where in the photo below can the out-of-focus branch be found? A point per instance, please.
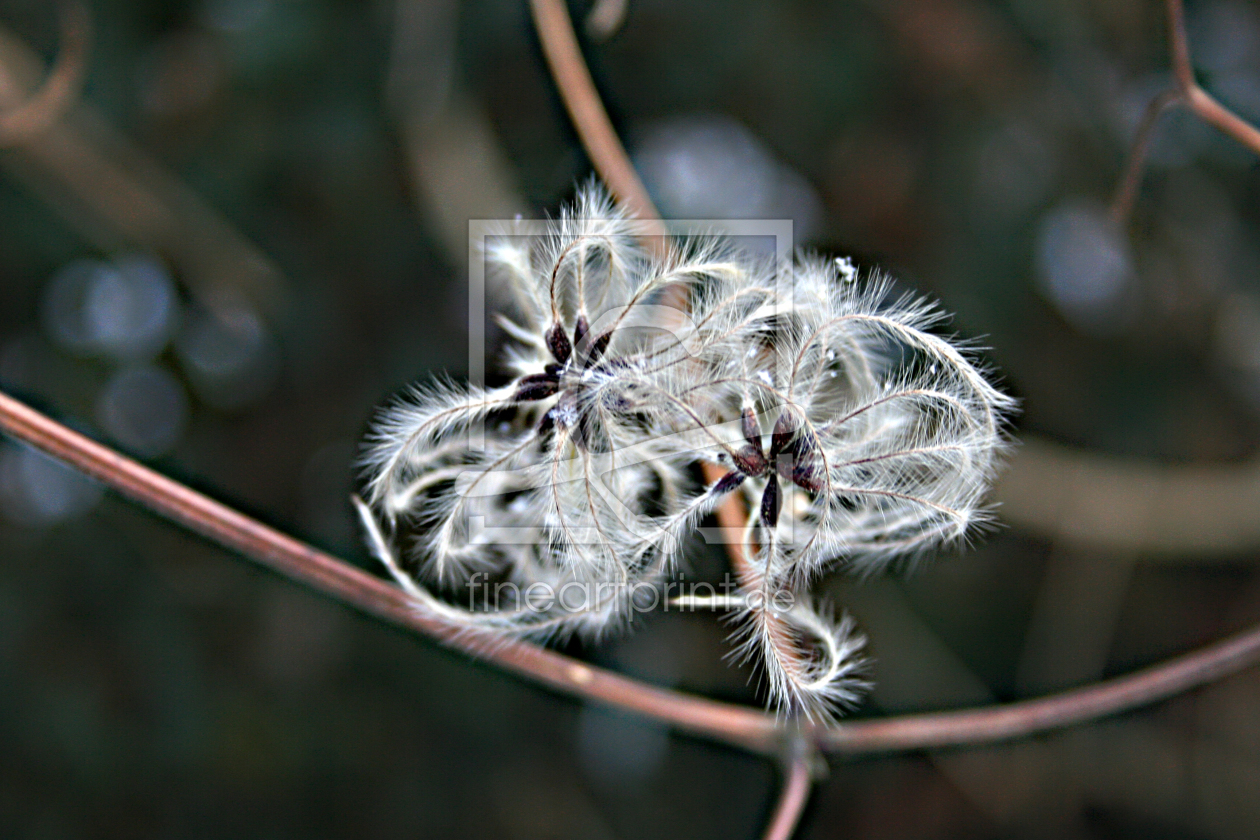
(1187, 91)
(1160, 512)
(24, 122)
(117, 197)
(459, 171)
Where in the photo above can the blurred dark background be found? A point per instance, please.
(253, 229)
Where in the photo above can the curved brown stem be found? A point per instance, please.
(577, 89)
(22, 123)
(1179, 45)
(1126, 192)
(1014, 720)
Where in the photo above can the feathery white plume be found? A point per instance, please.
(856, 434)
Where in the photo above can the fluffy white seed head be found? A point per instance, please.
(852, 430)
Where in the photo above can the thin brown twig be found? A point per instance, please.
(731, 517)
(577, 89)
(1135, 164)
(1179, 45)
(1187, 91)
(796, 785)
(25, 122)
(989, 724)
(1197, 99)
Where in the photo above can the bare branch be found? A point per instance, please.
(740, 726)
(1200, 101)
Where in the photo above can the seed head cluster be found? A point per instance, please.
(851, 432)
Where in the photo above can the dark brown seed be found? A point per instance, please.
(727, 483)
(558, 343)
(751, 428)
(580, 329)
(806, 475)
(785, 429)
(805, 443)
(546, 424)
(771, 503)
(598, 346)
(750, 461)
(536, 386)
